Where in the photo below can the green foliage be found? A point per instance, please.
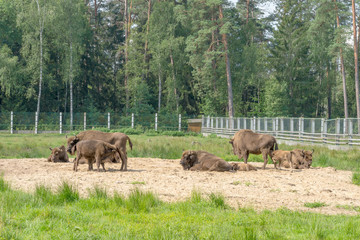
(67, 193)
(356, 178)
(314, 204)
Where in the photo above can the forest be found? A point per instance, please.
(192, 57)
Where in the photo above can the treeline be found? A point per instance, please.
(179, 56)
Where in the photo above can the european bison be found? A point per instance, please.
(58, 154)
(204, 161)
(296, 159)
(246, 141)
(118, 139)
(302, 158)
(96, 151)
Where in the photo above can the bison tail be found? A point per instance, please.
(130, 143)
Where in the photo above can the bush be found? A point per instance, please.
(173, 133)
(356, 178)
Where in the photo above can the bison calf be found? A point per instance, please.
(96, 151)
(58, 154)
(296, 159)
(204, 161)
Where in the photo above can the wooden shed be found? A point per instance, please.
(194, 125)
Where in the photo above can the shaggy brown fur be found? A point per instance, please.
(58, 154)
(96, 151)
(204, 161)
(279, 157)
(246, 141)
(118, 139)
(243, 167)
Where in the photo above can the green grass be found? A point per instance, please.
(314, 204)
(141, 215)
(356, 178)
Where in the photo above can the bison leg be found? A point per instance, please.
(76, 161)
(265, 157)
(103, 166)
(246, 155)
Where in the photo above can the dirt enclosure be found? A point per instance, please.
(261, 189)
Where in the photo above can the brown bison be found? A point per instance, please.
(246, 141)
(204, 161)
(302, 158)
(296, 159)
(118, 139)
(58, 154)
(96, 151)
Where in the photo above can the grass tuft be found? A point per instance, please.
(139, 201)
(4, 186)
(98, 192)
(44, 194)
(67, 193)
(218, 201)
(315, 204)
(356, 178)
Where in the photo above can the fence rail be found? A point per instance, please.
(29, 122)
(316, 130)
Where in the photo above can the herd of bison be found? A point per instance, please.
(99, 147)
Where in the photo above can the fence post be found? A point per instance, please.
(300, 128)
(265, 124)
(245, 123)
(337, 130)
(227, 123)
(312, 126)
(345, 126)
(252, 124)
(291, 124)
(202, 121)
(179, 122)
(84, 121)
(324, 130)
(60, 123)
(238, 123)
(208, 122)
(132, 120)
(156, 121)
(36, 122)
(273, 125)
(350, 131)
(212, 123)
(259, 124)
(221, 122)
(281, 124)
(276, 126)
(217, 122)
(231, 119)
(108, 120)
(12, 122)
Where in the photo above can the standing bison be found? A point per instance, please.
(96, 151)
(204, 161)
(58, 154)
(246, 141)
(118, 139)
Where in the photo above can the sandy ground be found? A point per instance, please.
(262, 189)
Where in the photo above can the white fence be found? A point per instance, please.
(315, 130)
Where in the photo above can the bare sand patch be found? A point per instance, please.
(262, 189)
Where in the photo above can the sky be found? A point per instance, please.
(267, 8)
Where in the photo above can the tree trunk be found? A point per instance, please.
(71, 84)
(41, 29)
(342, 71)
(247, 11)
(160, 90)
(228, 73)
(126, 58)
(174, 82)
(146, 41)
(356, 64)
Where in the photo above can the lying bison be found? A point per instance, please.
(246, 141)
(118, 139)
(204, 161)
(296, 159)
(96, 151)
(58, 154)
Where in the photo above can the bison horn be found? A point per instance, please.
(50, 149)
(312, 151)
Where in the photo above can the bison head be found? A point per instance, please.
(72, 141)
(308, 158)
(57, 153)
(188, 159)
